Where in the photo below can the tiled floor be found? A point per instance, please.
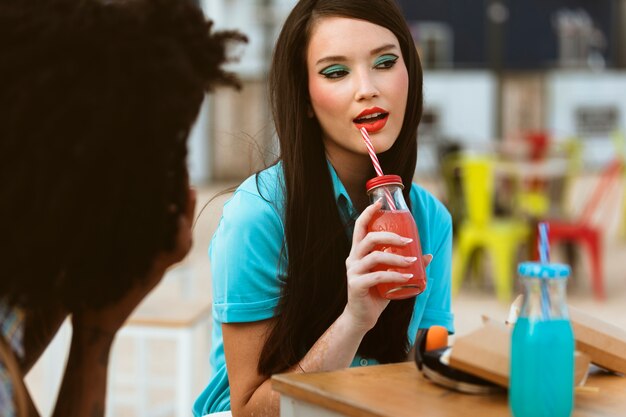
(190, 283)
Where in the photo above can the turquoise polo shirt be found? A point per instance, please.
(248, 266)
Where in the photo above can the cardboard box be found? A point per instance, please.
(486, 353)
(604, 343)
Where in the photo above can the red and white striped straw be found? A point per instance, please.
(372, 152)
(377, 168)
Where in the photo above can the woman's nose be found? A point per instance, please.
(365, 88)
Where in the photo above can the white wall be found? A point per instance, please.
(567, 91)
(466, 104)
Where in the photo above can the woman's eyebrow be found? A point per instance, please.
(383, 48)
(334, 58)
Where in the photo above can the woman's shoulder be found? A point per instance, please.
(432, 218)
(425, 203)
(267, 183)
(259, 195)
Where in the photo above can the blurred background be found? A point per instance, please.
(524, 121)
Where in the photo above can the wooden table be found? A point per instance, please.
(400, 390)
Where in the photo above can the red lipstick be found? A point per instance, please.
(372, 119)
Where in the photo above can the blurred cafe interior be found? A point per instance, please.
(524, 121)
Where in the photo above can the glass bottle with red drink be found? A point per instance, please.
(394, 216)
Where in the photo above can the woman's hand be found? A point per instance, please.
(364, 303)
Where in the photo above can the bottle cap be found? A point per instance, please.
(543, 270)
(383, 180)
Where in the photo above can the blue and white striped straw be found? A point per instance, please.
(544, 257)
(544, 244)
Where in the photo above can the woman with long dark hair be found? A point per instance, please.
(292, 259)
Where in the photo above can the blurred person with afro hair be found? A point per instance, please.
(97, 99)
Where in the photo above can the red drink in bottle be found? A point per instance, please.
(395, 217)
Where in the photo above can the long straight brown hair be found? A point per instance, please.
(315, 291)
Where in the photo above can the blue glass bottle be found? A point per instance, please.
(542, 346)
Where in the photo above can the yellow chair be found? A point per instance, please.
(534, 203)
(539, 202)
(501, 238)
(532, 198)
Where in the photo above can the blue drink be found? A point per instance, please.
(542, 368)
(542, 345)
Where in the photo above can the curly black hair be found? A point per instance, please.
(96, 102)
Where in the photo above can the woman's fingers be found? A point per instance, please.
(373, 239)
(360, 226)
(427, 259)
(367, 281)
(365, 305)
(369, 261)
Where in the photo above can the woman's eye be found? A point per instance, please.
(334, 71)
(386, 61)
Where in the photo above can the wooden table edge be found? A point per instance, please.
(285, 384)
